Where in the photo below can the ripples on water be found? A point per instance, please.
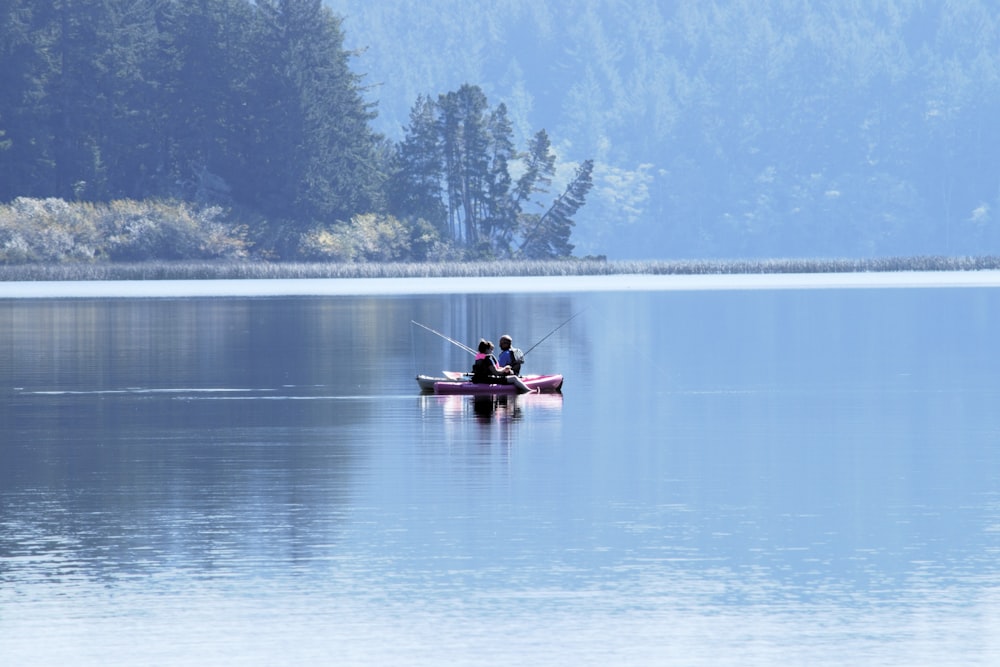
(728, 479)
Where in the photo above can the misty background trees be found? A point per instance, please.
(729, 128)
(725, 128)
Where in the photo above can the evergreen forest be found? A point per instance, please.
(195, 129)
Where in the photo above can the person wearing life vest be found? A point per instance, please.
(510, 356)
(486, 370)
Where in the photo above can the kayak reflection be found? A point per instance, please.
(501, 406)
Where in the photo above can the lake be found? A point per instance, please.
(730, 476)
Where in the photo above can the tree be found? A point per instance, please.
(454, 165)
(15, 54)
(311, 150)
(414, 189)
(540, 166)
(339, 172)
(500, 221)
(463, 124)
(547, 236)
(130, 66)
(210, 54)
(80, 165)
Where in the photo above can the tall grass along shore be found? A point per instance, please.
(229, 270)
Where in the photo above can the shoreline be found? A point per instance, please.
(318, 287)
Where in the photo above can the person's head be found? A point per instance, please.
(485, 346)
(505, 341)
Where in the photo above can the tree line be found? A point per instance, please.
(251, 109)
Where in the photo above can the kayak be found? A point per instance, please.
(541, 383)
(426, 382)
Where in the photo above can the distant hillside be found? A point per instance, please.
(750, 128)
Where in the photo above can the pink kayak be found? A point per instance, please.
(543, 383)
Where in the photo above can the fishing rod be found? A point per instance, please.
(450, 340)
(471, 351)
(525, 353)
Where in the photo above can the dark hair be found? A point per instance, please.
(484, 346)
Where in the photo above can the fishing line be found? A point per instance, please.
(450, 340)
(552, 332)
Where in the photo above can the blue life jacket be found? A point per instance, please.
(513, 358)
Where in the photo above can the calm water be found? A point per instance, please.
(806, 477)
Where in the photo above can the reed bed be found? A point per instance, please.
(225, 270)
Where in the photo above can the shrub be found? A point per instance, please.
(367, 238)
(54, 231)
(327, 244)
(136, 231)
(47, 230)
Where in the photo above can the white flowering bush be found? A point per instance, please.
(368, 238)
(47, 231)
(52, 231)
(333, 245)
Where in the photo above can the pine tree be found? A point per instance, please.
(500, 221)
(20, 69)
(548, 236)
(415, 188)
(130, 104)
(539, 168)
(463, 126)
(76, 111)
(340, 175)
(209, 61)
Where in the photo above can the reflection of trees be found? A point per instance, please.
(96, 345)
(236, 343)
(129, 482)
(191, 432)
